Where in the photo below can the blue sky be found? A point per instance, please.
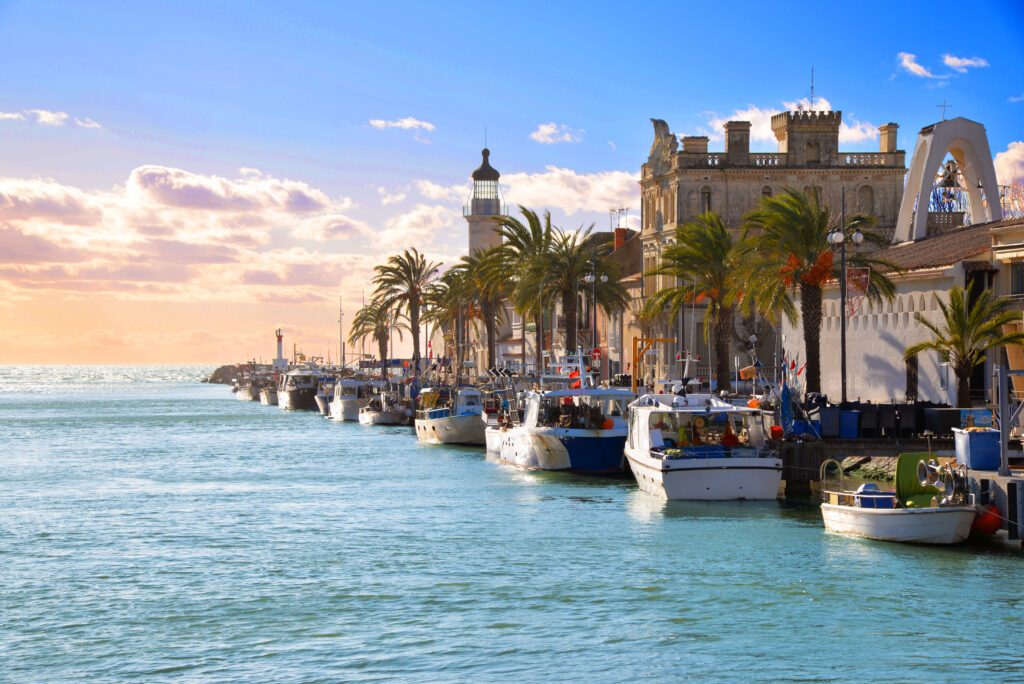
(196, 92)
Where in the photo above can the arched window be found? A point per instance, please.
(813, 153)
(866, 199)
(705, 199)
(766, 191)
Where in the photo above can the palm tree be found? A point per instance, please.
(485, 281)
(705, 261)
(968, 331)
(376, 321)
(525, 251)
(786, 249)
(574, 256)
(401, 283)
(444, 308)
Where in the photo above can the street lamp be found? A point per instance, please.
(837, 238)
(591, 278)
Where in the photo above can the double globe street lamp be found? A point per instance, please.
(591, 278)
(837, 238)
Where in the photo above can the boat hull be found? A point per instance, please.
(588, 452)
(708, 479)
(247, 393)
(323, 404)
(303, 399)
(493, 437)
(268, 397)
(946, 525)
(346, 409)
(381, 417)
(468, 429)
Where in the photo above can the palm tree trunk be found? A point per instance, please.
(722, 333)
(963, 388)
(539, 354)
(414, 328)
(571, 324)
(382, 349)
(489, 313)
(810, 313)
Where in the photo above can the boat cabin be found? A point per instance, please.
(698, 426)
(585, 409)
(299, 379)
(351, 388)
(439, 402)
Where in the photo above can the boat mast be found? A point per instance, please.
(341, 332)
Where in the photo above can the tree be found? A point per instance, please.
(705, 262)
(574, 256)
(375, 321)
(401, 283)
(967, 332)
(786, 249)
(445, 308)
(525, 255)
(485, 283)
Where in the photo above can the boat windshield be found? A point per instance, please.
(581, 411)
(682, 429)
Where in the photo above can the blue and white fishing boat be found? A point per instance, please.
(579, 430)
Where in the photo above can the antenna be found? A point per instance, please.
(812, 88)
(485, 136)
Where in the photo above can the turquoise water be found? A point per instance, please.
(153, 528)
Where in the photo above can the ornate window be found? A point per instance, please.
(866, 200)
(705, 199)
(766, 191)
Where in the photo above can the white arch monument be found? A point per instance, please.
(967, 142)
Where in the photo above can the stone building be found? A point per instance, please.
(677, 185)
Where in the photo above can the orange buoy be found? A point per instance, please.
(753, 403)
(608, 424)
(987, 521)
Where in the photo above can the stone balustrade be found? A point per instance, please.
(867, 159)
(767, 159)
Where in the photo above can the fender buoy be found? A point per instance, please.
(987, 521)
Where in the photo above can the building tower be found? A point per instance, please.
(483, 206)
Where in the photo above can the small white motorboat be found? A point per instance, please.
(915, 513)
(297, 391)
(268, 395)
(350, 395)
(383, 408)
(445, 419)
(698, 447)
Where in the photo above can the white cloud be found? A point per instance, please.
(1016, 98)
(961, 64)
(434, 191)
(1010, 163)
(12, 116)
(87, 123)
(551, 133)
(909, 63)
(418, 226)
(387, 198)
(408, 123)
(572, 192)
(850, 131)
(332, 226)
(611, 144)
(45, 117)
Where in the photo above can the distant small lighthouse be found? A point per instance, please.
(280, 363)
(483, 206)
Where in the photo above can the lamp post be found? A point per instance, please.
(592, 278)
(837, 238)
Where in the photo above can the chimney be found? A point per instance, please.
(887, 138)
(697, 144)
(620, 238)
(737, 143)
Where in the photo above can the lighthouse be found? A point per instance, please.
(484, 205)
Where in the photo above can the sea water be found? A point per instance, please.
(154, 528)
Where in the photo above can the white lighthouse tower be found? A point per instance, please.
(484, 205)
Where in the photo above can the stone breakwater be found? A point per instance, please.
(225, 375)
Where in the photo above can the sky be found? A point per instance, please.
(179, 179)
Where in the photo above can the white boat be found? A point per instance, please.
(383, 408)
(916, 513)
(297, 390)
(445, 419)
(268, 395)
(324, 394)
(578, 430)
(350, 395)
(698, 447)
